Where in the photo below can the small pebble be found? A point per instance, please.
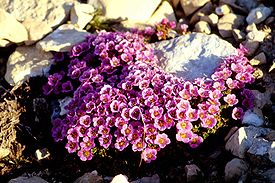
(223, 10)
(258, 14)
(212, 19)
(203, 27)
(238, 35)
(258, 59)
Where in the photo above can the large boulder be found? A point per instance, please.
(25, 62)
(193, 55)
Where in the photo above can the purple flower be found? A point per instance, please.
(169, 121)
(138, 145)
(160, 124)
(126, 57)
(73, 135)
(103, 130)
(67, 87)
(72, 146)
(85, 120)
(121, 143)
(162, 140)
(231, 99)
(105, 141)
(195, 141)
(125, 114)
(79, 49)
(135, 113)
(149, 154)
(114, 106)
(92, 132)
(87, 143)
(248, 103)
(85, 154)
(156, 112)
(237, 113)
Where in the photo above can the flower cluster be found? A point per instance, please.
(122, 99)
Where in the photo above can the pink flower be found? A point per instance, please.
(209, 122)
(72, 146)
(184, 125)
(184, 136)
(230, 99)
(162, 140)
(156, 112)
(195, 141)
(149, 154)
(135, 113)
(114, 106)
(183, 105)
(85, 154)
(237, 113)
(213, 109)
(105, 141)
(121, 143)
(160, 124)
(88, 143)
(185, 94)
(192, 114)
(85, 120)
(216, 94)
(138, 145)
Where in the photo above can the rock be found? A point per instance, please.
(247, 4)
(269, 20)
(190, 6)
(11, 29)
(90, 177)
(261, 99)
(165, 10)
(230, 133)
(251, 27)
(270, 175)
(271, 152)
(4, 43)
(252, 46)
(97, 4)
(153, 179)
(82, 14)
(272, 67)
(242, 140)
(174, 3)
(212, 19)
(62, 39)
(258, 59)
(238, 35)
(205, 10)
(258, 14)
(223, 10)
(192, 55)
(130, 9)
(258, 73)
(270, 136)
(64, 102)
(33, 179)
(235, 170)
(251, 118)
(228, 22)
(203, 27)
(36, 29)
(41, 154)
(193, 172)
(259, 150)
(25, 62)
(39, 16)
(4, 153)
(120, 179)
(256, 35)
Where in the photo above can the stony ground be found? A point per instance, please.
(30, 34)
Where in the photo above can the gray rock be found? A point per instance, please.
(212, 19)
(271, 152)
(153, 179)
(251, 118)
(235, 170)
(238, 35)
(25, 62)
(90, 177)
(193, 173)
(228, 22)
(11, 29)
(258, 152)
(252, 46)
(64, 102)
(258, 59)
(193, 55)
(62, 39)
(190, 6)
(247, 4)
(242, 140)
(261, 99)
(203, 27)
(205, 10)
(270, 175)
(82, 14)
(258, 14)
(120, 179)
(33, 179)
(223, 9)
(39, 16)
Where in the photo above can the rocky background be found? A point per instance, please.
(31, 30)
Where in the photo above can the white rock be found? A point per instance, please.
(235, 169)
(120, 179)
(4, 153)
(251, 27)
(190, 6)
(135, 10)
(165, 10)
(228, 22)
(62, 103)
(212, 19)
(153, 179)
(4, 43)
(62, 39)
(258, 14)
(82, 14)
(25, 62)
(33, 179)
(271, 152)
(192, 172)
(203, 27)
(192, 55)
(47, 13)
(256, 36)
(11, 29)
(242, 140)
(258, 59)
(90, 177)
(251, 118)
(223, 9)
(41, 154)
